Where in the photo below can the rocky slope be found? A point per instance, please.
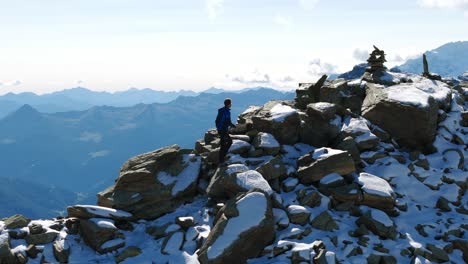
(365, 170)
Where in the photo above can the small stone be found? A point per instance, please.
(35, 229)
(44, 238)
(61, 251)
(443, 204)
(298, 214)
(32, 251)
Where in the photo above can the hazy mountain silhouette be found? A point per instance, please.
(82, 150)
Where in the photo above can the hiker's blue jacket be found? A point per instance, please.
(223, 119)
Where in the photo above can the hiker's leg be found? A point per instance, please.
(222, 147)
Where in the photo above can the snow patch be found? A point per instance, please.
(372, 184)
(279, 112)
(253, 180)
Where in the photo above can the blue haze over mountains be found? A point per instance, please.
(81, 151)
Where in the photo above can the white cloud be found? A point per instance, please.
(459, 4)
(11, 83)
(308, 4)
(360, 54)
(79, 82)
(318, 67)
(89, 136)
(98, 154)
(215, 7)
(283, 20)
(253, 78)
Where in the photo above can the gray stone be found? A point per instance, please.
(267, 143)
(339, 162)
(16, 221)
(40, 239)
(394, 116)
(324, 222)
(247, 244)
(6, 256)
(139, 190)
(298, 214)
(377, 227)
(273, 169)
(35, 229)
(86, 212)
(95, 233)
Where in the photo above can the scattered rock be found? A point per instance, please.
(32, 251)
(35, 229)
(172, 243)
(378, 223)
(267, 143)
(324, 222)
(96, 232)
(234, 239)
(43, 238)
(377, 193)
(298, 214)
(185, 221)
(324, 161)
(16, 221)
(233, 179)
(6, 256)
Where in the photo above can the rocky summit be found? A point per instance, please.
(365, 170)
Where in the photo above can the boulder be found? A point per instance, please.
(360, 131)
(16, 221)
(298, 214)
(320, 125)
(378, 223)
(93, 211)
(324, 222)
(43, 238)
(395, 107)
(273, 169)
(154, 183)
(101, 234)
(309, 197)
(239, 147)
(278, 119)
(267, 143)
(376, 192)
(324, 161)
(235, 178)
(348, 95)
(242, 233)
(172, 243)
(61, 250)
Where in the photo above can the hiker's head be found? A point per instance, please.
(227, 102)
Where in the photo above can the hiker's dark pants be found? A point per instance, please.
(225, 143)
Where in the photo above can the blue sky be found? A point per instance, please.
(113, 45)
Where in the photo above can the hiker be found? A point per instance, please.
(223, 122)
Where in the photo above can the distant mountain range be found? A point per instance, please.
(79, 98)
(82, 150)
(450, 59)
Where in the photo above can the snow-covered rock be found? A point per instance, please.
(235, 178)
(234, 239)
(154, 183)
(322, 162)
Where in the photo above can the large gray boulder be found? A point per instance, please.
(408, 112)
(320, 125)
(243, 229)
(16, 221)
(275, 117)
(323, 161)
(154, 183)
(229, 181)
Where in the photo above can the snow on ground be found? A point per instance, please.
(104, 211)
(279, 112)
(253, 180)
(252, 209)
(381, 217)
(372, 184)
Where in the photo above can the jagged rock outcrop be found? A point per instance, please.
(245, 226)
(154, 183)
